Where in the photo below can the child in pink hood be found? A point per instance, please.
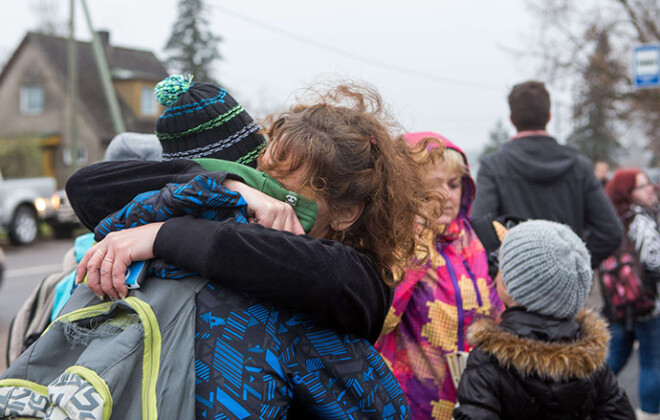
(435, 303)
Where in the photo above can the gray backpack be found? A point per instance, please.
(126, 359)
(34, 315)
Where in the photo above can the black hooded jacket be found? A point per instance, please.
(537, 367)
(535, 177)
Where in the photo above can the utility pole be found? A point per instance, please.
(557, 117)
(104, 72)
(72, 89)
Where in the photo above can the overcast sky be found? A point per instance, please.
(442, 65)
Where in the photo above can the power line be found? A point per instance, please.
(353, 56)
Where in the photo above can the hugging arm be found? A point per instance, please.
(334, 284)
(97, 190)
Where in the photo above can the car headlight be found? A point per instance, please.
(55, 201)
(40, 204)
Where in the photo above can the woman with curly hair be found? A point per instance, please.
(337, 151)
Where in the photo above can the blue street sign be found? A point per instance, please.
(646, 66)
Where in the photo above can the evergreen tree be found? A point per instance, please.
(497, 137)
(192, 47)
(595, 109)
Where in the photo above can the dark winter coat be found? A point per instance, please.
(535, 177)
(537, 367)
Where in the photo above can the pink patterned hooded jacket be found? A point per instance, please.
(433, 307)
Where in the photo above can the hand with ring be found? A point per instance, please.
(106, 262)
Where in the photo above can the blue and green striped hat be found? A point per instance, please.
(202, 120)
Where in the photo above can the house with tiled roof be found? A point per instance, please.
(34, 104)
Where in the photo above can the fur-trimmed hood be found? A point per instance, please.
(575, 357)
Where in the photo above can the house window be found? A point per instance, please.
(148, 105)
(32, 100)
(67, 157)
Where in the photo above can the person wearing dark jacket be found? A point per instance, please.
(546, 359)
(534, 177)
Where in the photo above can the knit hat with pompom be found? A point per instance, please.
(546, 268)
(202, 120)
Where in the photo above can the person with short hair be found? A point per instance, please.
(601, 170)
(534, 177)
(546, 359)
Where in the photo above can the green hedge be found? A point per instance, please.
(20, 158)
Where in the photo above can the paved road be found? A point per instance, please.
(27, 266)
(629, 379)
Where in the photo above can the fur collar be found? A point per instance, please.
(549, 360)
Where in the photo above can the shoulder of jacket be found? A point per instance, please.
(579, 358)
(490, 161)
(641, 221)
(583, 162)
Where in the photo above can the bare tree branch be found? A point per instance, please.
(634, 20)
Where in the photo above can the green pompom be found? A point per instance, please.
(167, 91)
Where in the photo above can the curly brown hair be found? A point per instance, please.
(343, 145)
(426, 153)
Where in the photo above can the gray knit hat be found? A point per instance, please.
(546, 268)
(134, 146)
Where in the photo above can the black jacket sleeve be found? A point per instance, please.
(612, 402)
(487, 200)
(479, 390)
(103, 188)
(604, 231)
(333, 283)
